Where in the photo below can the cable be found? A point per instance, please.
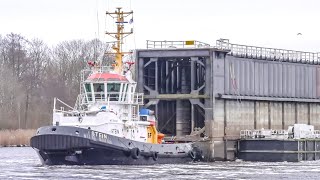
(105, 18)
(134, 35)
(98, 19)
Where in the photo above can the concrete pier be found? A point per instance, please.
(228, 88)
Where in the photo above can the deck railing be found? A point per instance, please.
(111, 97)
(268, 134)
(84, 101)
(175, 44)
(97, 69)
(265, 53)
(277, 134)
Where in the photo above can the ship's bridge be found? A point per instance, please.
(107, 87)
(101, 85)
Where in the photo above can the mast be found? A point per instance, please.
(119, 36)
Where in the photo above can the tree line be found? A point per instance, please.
(32, 74)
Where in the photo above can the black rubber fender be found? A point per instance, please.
(135, 153)
(155, 156)
(198, 154)
(192, 154)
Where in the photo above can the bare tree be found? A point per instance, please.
(36, 73)
(15, 53)
(12, 67)
(71, 57)
(11, 96)
(38, 60)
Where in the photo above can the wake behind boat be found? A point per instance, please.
(108, 124)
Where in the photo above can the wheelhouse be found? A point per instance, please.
(107, 87)
(100, 88)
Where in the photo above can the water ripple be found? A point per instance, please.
(23, 163)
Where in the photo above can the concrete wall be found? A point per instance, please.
(236, 115)
(231, 116)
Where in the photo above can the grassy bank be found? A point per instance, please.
(16, 137)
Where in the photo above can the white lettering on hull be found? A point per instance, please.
(98, 136)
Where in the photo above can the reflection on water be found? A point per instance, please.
(23, 163)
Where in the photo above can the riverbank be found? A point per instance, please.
(19, 137)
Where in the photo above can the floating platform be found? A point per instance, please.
(269, 150)
(299, 143)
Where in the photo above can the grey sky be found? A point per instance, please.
(271, 23)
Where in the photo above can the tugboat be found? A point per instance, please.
(108, 125)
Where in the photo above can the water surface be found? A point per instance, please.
(23, 163)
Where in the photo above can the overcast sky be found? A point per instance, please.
(270, 23)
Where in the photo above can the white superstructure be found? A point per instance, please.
(108, 103)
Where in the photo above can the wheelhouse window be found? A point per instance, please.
(124, 91)
(99, 91)
(113, 87)
(113, 91)
(88, 91)
(88, 88)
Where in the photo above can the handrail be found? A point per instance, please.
(175, 44)
(136, 98)
(264, 133)
(85, 73)
(57, 99)
(276, 134)
(265, 53)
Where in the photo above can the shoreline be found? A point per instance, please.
(16, 138)
(21, 145)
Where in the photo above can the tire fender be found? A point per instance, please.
(155, 156)
(198, 154)
(135, 153)
(192, 154)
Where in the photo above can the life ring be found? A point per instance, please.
(155, 156)
(135, 153)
